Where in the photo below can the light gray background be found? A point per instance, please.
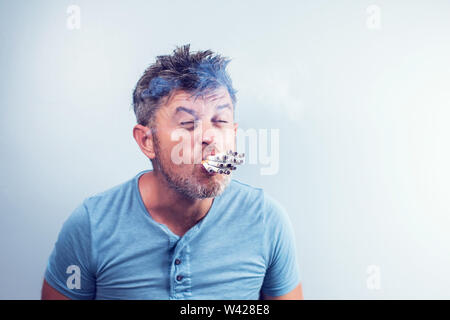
(363, 117)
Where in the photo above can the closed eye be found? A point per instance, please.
(189, 125)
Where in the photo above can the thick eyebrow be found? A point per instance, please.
(190, 111)
(223, 106)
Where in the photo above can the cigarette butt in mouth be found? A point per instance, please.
(223, 163)
(211, 168)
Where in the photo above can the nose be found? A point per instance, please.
(210, 138)
(209, 134)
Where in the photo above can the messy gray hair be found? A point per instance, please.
(196, 73)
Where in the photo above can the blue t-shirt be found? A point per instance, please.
(111, 248)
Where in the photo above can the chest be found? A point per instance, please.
(208, 265)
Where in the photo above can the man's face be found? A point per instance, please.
(188, 129)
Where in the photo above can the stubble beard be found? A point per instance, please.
(190, 186)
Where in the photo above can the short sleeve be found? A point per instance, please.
(283, 273)
(69, 269)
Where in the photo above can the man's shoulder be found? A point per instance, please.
(258, 198)
(110, 199)
(111, 192)
(241, 191)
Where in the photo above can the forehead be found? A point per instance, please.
(201, 103)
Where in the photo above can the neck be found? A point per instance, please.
(167, 206)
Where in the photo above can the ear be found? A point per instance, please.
(235, 128)
(144, 139)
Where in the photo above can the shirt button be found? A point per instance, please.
(177, 261)
(179, 277)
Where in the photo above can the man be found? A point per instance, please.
(178, 231)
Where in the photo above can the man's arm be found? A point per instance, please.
(282, 280)
(49, 293)
(296, 294)
(70, 271)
